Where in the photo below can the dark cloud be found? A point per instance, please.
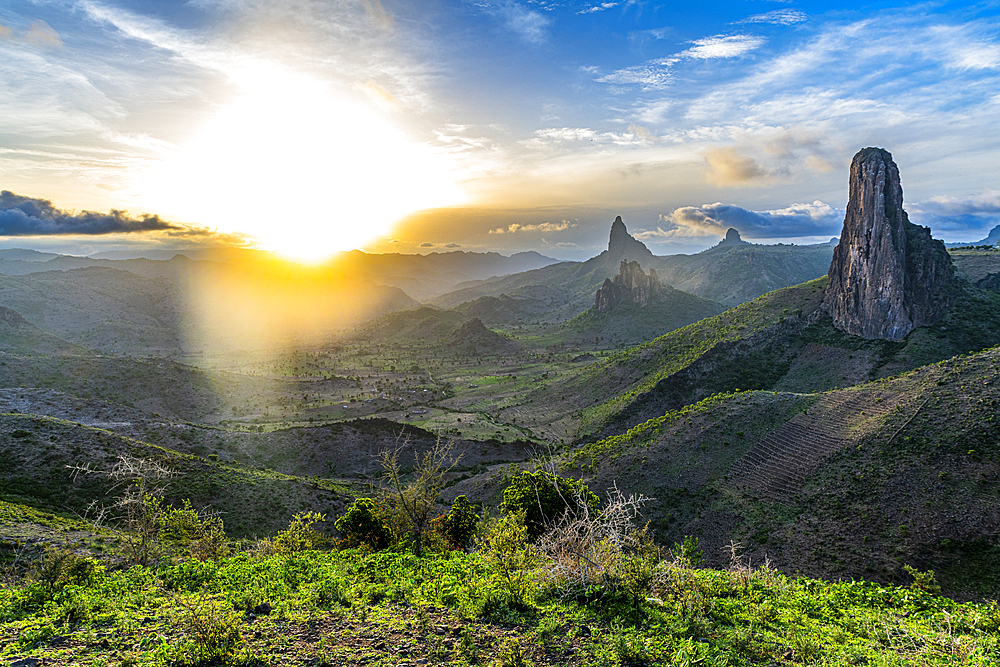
(452, 245)
(29, 216)
(958, 217)
(426, 245)
(797, 220)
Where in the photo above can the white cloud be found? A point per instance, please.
(543, 227)
(723, 46)
(598, 8)
(658, 74)
(712, 220)
(530, 24)
(778, 17)
(654, 75)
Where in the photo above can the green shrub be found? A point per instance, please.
(459, 525)
(59, 568)
(688, 553)
(299, 536)
(363, 524)
(511, 558)
(205, 535)
(214, 628)
(923, 581)
(544, 498)
(637, 570)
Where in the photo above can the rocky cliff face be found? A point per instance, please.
(622, 246)
(887, 276)
(631, 284)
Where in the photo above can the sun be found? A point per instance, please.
(305, 171)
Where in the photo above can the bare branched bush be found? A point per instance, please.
(588, 547)
(12, 571)
(744, 571)
(138, 510)
(414, 496)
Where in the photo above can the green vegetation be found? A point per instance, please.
(349, 607)
(544, 498)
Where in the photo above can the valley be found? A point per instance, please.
(746, 392)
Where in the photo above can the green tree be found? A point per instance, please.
(544, 498)
(460, 523)
(362, 523)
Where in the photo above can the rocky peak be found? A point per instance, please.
(887, 276)
(732, 238)
(631, 284)
(622, 245)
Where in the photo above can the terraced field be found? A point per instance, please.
(777, 466)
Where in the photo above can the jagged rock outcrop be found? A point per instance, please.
(887, 276)
(631, 284)
(732, 238)
(622, 245)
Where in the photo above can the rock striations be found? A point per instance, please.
(623, 246)
(887, 276)
(631, 284)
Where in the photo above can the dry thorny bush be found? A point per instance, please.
(587, 547)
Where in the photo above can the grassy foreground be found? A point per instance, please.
(390, 608)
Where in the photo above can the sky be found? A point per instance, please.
(313, 126)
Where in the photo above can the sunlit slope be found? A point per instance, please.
(105, 309)
(421, 326)
(196, 307)
(852, 483)
(781, 340)
(589, 400)
(18, 336)
(37, 455)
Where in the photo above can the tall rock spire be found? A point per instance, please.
(887, 276)
(622, 245)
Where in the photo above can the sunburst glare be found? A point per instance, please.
(303, 170)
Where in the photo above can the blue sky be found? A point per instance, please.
(311, 126)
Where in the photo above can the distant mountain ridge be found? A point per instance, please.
(730, 273)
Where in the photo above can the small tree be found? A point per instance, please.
(139, 508)
(460, 523)
(414, 499)
(203, 532)
(545, 498)
(363, 524)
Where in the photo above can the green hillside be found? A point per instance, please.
(629, 323)
(19, 336)
(778, 341)
(37, 456)
(852, 483)
(733, 274)
(422, 326)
